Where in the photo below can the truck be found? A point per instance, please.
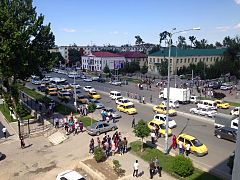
(177, 94)
(225, 120)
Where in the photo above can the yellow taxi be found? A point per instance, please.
(82, 99)
(160, 125)
(94, 95)
(127, 108)
(64, 95)
(162, 109)
(52, 90)
(222, 105)
(196, 147)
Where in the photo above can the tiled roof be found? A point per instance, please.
(105, 54)
(177, 52)
(134, 54)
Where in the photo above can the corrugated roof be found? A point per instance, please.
(133, 54)
(105, 54)
(177, 52)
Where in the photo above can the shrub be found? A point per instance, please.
(117, 168)
(182, 166)
(21, 111)
(99, 155)
(219, 95)
(91, 107)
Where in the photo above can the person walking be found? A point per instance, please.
(187, 148)
(180, 146)
(151, 169)
(4, 130)
(174, 142)
(125, 142)
(133, 122)
(81, 126)
(158, 167)
(143, 100)
(22, 142)
(135, 168)
(153, 137)
(56, 121)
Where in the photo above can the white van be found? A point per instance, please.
(206, 104)
(115, 95)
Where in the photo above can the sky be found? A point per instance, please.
(103, 22)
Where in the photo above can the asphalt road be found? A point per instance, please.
(219, 150)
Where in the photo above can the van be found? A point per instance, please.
(206, 104)
(115, 95)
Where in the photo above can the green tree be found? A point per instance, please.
(163, 68)
(74, 56)
(192, 39)
(106, 69)
(138, 40)
(163, 36)
(181, 42)
(142, 130)
(25, 42)
(144, 69)
(56, 57)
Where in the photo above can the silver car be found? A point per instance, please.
(101, 127)
(113, 112)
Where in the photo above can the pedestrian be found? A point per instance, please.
(133, 122)
(125, 142)
(56, 121)
(143, 100)
(113, 148)
(187, 148)
(180, 146)
(91, 146)
(99, 142)
(135, 168)
(153, 136)
(121, 147)
(151, 169)
(22, 142)
(4, 130)
(158, 167)
(76, 128)
(174, 142)
(81, 126)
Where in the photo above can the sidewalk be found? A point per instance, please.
(127, 160)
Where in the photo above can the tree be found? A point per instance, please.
(192, 39)
(163, 68)
(106, 69)
(142, 130)
(74, 56)
(181, 42)
(138, 40)
(163, 36)
(56, 57)
(144, 69)
(25, 42)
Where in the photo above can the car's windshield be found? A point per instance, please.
(162, 126)
(129, 106)
(196, 143)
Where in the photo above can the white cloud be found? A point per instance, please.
(223, 28)
(238, 2)
(114, 32)
(237, 26)
(69, 30)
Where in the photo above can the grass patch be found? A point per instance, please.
(34, 94)
(150, 153)
(29, 116)
(63, 109)
(86, 120)
(5, 111)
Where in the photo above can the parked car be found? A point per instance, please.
(194, 99)
(88, 88)
(101, 127)
(75, 85)
(113, 112)
(226, 133)
(64, 95)
(207, 112)
(99, 105)
(161, 126)
(101, 80)
(225, 86)
(221, 104)
(196, 147)
(94, 95)
(235, 111)
(123, 101)
(88, 80)
(162, 109)
(162, 118)
(172, 104)
(82, 99)
(116, 83)
(127, 108)
(69, 175)
(95, 78)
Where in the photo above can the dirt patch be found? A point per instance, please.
(44, 169)
(104, 167)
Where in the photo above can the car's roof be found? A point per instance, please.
(70, 174)
(187, 136)
(227, 128)
(156, 122)
(115, 92)
(163, 115)
(88, 86)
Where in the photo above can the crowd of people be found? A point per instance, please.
(110, 145)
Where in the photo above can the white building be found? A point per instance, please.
(98, 60)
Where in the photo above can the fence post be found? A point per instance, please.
(28, 127)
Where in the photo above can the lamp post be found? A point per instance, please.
(168, 79)
(75, 94)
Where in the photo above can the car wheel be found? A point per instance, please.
(218, 136)
(195, 153)
(98, 133)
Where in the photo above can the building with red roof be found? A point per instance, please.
(97, 61)
(135, 56)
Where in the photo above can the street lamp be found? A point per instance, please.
(75, 94)
(168, 80)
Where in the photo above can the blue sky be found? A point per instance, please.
(102, 22)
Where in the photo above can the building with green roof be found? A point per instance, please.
(183, 57)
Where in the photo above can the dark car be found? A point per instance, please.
(101, 80)
(226, 133)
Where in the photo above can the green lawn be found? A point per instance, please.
(150, 153)
(86, 120)
(5, 111)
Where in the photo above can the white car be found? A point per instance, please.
(172, 104)
(193, 99)
(116, 83)
(69, 175)
(95, 78)
(235, 111)
(123, 101)
(207, 112)
(162, 118)
(195, 110)
(225, 86)
(75, 85)
(88, 88)
(88, 80)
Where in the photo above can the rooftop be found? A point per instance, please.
(134, 54)
(105, 54)
(178, 52)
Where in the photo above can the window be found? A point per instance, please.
(207, 60)
(195, 59)
(99, 126)
(235, 124)
(180, 60)
(188, 60)
(185, 60)
(177, 60)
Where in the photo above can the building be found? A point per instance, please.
(135, 56)
(96, 61)
(183, 57)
